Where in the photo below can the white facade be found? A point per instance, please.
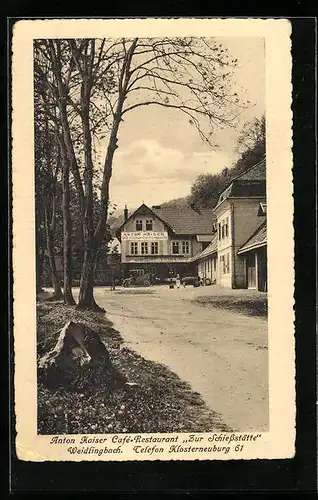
(224, 224)
(207, 268)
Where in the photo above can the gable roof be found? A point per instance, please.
(183, 221)
(187, 220)
(256, 240)
(142, 210)
(251, 183)
(255, 173)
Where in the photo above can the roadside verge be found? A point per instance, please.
(161, 402)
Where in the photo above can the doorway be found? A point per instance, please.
(251, 270)
(262, 269)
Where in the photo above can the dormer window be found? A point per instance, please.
(138, 225)
(149, 225)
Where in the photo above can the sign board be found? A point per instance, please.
(145, 235)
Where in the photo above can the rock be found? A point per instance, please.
(79, 359)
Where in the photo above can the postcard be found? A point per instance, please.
(153, 242)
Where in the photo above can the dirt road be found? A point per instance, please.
(222, 354)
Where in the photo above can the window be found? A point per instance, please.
(223, 229)
(222, 266)
(154, 248)
(134, 248)
(138, 225)
(214, 260)
(185, 247)
(224, 263)
(149, 225)
(175, 247)
(144, 248)
(208, 266)
(227, 263)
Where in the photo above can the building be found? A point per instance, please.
(163, 241)
(226, 245)
(238, 254)
(254, 253)
(207, 262)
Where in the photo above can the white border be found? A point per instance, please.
(280, 441)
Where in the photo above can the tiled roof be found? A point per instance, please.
(209, 250)
(250, 183)
(257, 239)
(255, 173)
(187, 220)
(180, 221)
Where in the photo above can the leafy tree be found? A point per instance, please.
(94, 83)
(47, 165)
(252, 137)
(252, 147)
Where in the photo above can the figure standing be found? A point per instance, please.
(178, 281)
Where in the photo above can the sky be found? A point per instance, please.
(160, 154)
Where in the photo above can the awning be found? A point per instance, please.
(257, 240)
(208, 251)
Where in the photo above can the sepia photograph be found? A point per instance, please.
(151, 280)
(150, 174)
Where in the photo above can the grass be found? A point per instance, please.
(161, 402)
(249, 304)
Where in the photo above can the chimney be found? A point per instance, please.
(125, 213)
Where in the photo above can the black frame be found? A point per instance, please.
(292, 475)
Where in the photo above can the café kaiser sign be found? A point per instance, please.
(144, 235)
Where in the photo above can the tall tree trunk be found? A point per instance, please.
(67, 235)
(68, 156)
(39, 254)
(86, 298)
(112, 145)
(38, 273)
(67, 222)
(39, 269)
(51, 255)
(86, 295)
